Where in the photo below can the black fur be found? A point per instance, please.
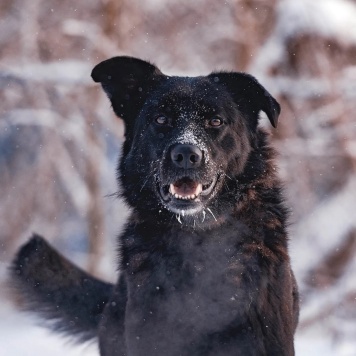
(49, 284)
(203, 275)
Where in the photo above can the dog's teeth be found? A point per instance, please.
(172, 191)
(187, 197)
(199, 189)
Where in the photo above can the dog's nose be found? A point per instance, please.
(186, 156)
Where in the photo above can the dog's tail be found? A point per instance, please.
(47, 283)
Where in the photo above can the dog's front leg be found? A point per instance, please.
(112, 328)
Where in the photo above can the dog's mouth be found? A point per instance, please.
(186, 190)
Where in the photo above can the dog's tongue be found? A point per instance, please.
(186, 187)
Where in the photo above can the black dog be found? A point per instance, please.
(204, 259)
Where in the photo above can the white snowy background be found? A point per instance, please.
(59, 140)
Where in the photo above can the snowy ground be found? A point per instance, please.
(21, 335)
(316, 344)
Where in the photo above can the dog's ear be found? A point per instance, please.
(126, 81)
(249, 95)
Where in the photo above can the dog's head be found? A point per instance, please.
(187, 138)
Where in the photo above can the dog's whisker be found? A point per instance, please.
(211, 213)
(150, 175)
(226, 186)
(112, 195)
(204, 213)
(144, 183)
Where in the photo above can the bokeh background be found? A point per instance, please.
(60, 141)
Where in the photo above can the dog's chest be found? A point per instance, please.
(186, 262)
(194, 286)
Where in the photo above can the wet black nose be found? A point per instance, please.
(186, 156)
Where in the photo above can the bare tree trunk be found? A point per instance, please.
(112, 9)
(95, 216)
(254, 19)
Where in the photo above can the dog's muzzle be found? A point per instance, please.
(187, 182)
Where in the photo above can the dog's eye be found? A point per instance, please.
(161, 120)
(216, 121)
